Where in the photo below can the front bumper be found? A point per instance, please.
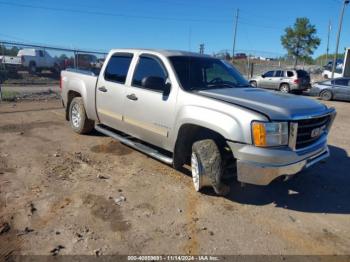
(263, 174)
(260, 166)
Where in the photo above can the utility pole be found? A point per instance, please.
(235, 34)
(338, 36)
(201, 49)
(329, 34)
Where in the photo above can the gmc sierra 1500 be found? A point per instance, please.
(185, 108)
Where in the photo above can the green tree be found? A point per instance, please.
(300, 40)
(9, 51)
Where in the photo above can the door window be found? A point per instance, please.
(269, 74)
(41, 53)
(148, 67)
(290, 74)
(117, 68)
(279, 73)
(341, 82)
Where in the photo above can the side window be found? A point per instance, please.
(117, 68)
(341, 82)
(41, 53)
(290, 74)
(148, 67)
(269, 74)
(279, 73)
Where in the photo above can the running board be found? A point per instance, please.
(138, 146)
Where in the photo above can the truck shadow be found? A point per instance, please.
(324, 188)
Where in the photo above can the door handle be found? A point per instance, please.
(102, 89)
(132, 97)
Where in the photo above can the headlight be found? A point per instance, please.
(268, 134)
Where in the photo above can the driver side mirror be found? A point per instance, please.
(167, 88)
(263, 76)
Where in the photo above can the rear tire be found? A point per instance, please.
(78, 118)
(284, 88)
(254, 84)
(207, 166)
(326, 95)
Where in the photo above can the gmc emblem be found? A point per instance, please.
(317, 131)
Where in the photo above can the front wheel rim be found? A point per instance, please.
(76, 118)
(195, 167)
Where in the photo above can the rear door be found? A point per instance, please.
(149, 113)
(341, 88)
(266, 81)
(110, 90)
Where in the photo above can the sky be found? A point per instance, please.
(168, 24)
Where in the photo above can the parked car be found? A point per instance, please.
(332, 89)
(189, 109)
(284, 80)
(37, 60)
(34, 60)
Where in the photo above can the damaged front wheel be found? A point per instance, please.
(207, 166)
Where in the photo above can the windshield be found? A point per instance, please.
(198, 73)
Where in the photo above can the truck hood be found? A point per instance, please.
(275, 105)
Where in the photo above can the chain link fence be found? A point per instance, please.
(32, 65)
(253, 67)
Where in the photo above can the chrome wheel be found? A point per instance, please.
(195, 172)
(284, 89)
(326, 95)
(75, 114)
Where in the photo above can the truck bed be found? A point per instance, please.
(84, 83)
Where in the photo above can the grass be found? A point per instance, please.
(9, 96)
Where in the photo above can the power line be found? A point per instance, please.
(259, 25)
(86, 12)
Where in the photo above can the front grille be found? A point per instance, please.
(307, 130)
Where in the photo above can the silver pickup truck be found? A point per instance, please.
(191, 110)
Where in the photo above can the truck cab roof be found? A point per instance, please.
(164, 52)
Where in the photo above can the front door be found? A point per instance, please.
(266, 80)
(149, 113)
(110, 93)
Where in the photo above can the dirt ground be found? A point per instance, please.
(62, 193)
